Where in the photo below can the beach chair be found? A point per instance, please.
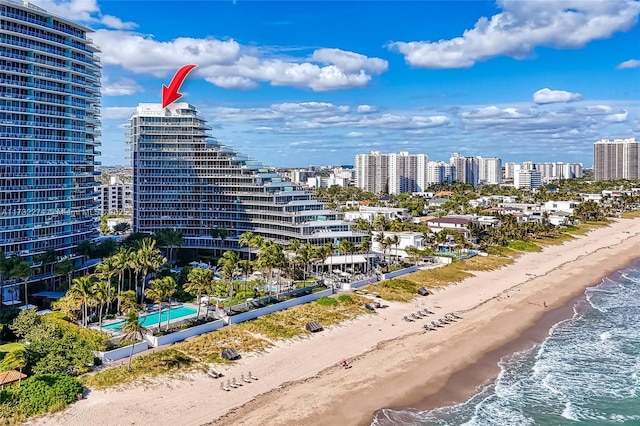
(407, 319)
(244, 379)
(231, 385)
(223, 387)
(237, 383)
(252, 377)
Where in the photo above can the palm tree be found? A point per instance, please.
(156, 294)
(294, 248)
(15, 359)
(82, 288)
(48, 258)
(22, 270)
(103, 294)
(365, 247)
(170, 238)
(85, 249)
(65, 268)
(166, 287)
(132, 329)
(150, 260)
(228, 263)
(245, 240)
(330, 248)
(120, 265)
(305, 256)
(197, 281)
(395, 241)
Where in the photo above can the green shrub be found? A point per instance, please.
(49, 392)
(345, 298)
(94, 340)
(37, 395)
(327, 301)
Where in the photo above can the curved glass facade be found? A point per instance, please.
(49, 100)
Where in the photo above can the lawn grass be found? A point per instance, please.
(167, 361)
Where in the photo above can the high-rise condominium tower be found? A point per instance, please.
(372, 172)
(49, 99)
(185, 180)
(617, 159)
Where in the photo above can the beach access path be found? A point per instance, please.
(394, 362)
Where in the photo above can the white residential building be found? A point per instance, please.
(405, 239)
(465, 169)
(422, 175)
(617, 159)
(117, 197)
(560, 206)
(489, 170)
(439, 172)
(372, 172)
(403, 170)
(370, 213)
(527, 178)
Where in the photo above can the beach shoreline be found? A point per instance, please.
(394, 364)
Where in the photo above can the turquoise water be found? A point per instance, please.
(151, 319)
(587, 372)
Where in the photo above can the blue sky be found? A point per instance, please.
(300, 82)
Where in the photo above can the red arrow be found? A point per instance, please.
(170, 94)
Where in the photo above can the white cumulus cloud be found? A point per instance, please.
(521, 27)
(548, 96)
(631, 63)
(86, 11)
(228, 64)
(122, 87)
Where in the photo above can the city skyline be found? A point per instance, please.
(299, 83)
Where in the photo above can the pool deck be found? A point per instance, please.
(150, 311)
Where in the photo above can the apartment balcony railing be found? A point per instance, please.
(40, 137)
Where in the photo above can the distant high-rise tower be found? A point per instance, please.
(372, 172)
(49, 100)
(617, 159)
(466, 169)
(489, 170)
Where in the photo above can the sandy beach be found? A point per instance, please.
(395, 364)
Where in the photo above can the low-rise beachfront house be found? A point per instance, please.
(370, 213)
(559, 218)
(457, 224)
(591, 197)
(405, 239)
(560, 206)
(522, 207)
(437, 202)
(11, 377)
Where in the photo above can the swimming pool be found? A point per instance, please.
(151, 319)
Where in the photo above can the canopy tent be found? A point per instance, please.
(347, 259)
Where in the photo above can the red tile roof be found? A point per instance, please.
(11, 376)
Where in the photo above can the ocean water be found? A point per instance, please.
(587, 372)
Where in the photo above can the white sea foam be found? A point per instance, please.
(587, 370)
